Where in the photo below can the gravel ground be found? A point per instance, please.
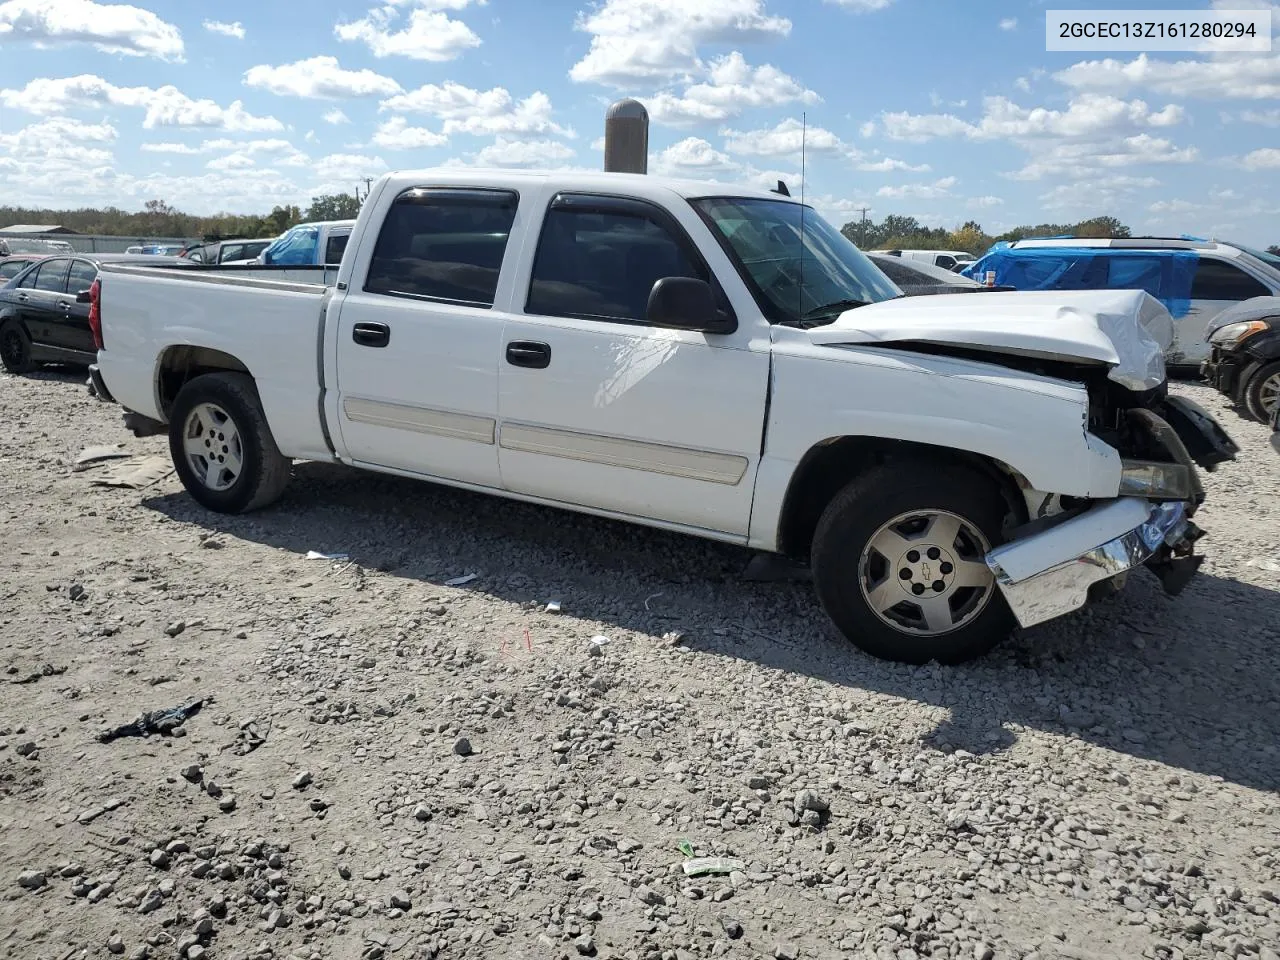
(391, 767)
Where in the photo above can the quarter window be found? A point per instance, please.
(11, 269)
(444, 245)
(603, 264)
(1216, 280)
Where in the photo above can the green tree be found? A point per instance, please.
(1274, 248)
(338, 206)
(281, 219)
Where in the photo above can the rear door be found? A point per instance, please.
(1217, 285)
(418, 337)
(76, 333)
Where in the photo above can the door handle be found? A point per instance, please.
(23, 298)
(64, 304)
(529, 353)
(371, 334)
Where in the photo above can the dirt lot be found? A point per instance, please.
(455, 772)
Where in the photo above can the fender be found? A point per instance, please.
(1264, 347)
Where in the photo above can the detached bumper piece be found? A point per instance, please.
(1049, 574)
(98, 388)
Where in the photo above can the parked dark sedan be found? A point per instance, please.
(44, 309)
(916, 278)
(14, 264)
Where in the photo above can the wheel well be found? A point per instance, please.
(831, 464)
(180, 364)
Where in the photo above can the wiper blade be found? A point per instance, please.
(838, 306)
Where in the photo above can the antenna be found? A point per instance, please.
(804, 129)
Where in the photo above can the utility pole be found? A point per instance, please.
(863, 229)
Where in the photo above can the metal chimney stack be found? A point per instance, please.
(626, 138)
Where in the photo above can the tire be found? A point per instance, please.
(215, 417)
(15, 348)
(1262, 391)
(865, 557)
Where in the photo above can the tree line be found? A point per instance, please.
(907, 233)
(158, 219)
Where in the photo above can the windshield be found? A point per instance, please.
(1270, 259)
(817, 282)
(298, 246)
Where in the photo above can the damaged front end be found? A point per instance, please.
(1055, 565)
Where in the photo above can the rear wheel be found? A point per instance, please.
(1262, 392)
(898, 563)
(222, 447)
(15, 348)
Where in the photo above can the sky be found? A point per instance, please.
(937, 109)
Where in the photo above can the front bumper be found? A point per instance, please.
(1049, 574)
(1222, 370)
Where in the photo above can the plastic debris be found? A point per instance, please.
(94, 456)
(702, 866)
(317, 555)
(600, 640)
(459, 581)
(553, 606)
(685, 847)
(157, 721)
(136, 473)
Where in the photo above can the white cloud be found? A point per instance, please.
(889, 165)
(336, 116)
(922, 191)
(867, 130)
(275, 149)
(481, 112)
(784, 140)
(1248, 78)
(1009, 23)
(109, 27)
(164, 107)
(341, 167)
(1176, 206)
(983, 203)
(235, 30)
(1103, 192)
(429, 34)
(175, 148)
(732, 85)
(1087, 115)
(1079, 161)
(319, 78)
(1268, 158)
(862, 6)
(505, 152)
(694, 157)
(396, 134)
(231, 161)
(635, 42)
(1265, 118)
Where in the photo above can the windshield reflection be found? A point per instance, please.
(792, 282)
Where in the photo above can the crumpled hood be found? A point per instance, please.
(1257, 308)
(1127, 330)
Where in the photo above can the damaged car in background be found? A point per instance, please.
(710, 360)
(1244, 358)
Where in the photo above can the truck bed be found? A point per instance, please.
(149, 311)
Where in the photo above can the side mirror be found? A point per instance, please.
(684, 303)
(84, 296)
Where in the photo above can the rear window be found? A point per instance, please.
(335, 247)
(444, 245)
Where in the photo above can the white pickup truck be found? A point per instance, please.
(710, 360)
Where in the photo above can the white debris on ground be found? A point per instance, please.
(392, 767)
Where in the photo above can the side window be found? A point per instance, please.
(602, 264)
(1216, 280)
(444, 244)
(335, 246)
(82, 276)
(11, 269)
(231, 251)
(29, 281)
(53, 276)
(945, 260)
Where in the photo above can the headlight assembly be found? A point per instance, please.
(1155, 480)
(1234, 333)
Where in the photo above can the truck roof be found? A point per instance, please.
(1130, 243)
(633, 184)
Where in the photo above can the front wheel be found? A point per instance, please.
(1262, 392)
(898, 563)
(15, 348)
(222, 447)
